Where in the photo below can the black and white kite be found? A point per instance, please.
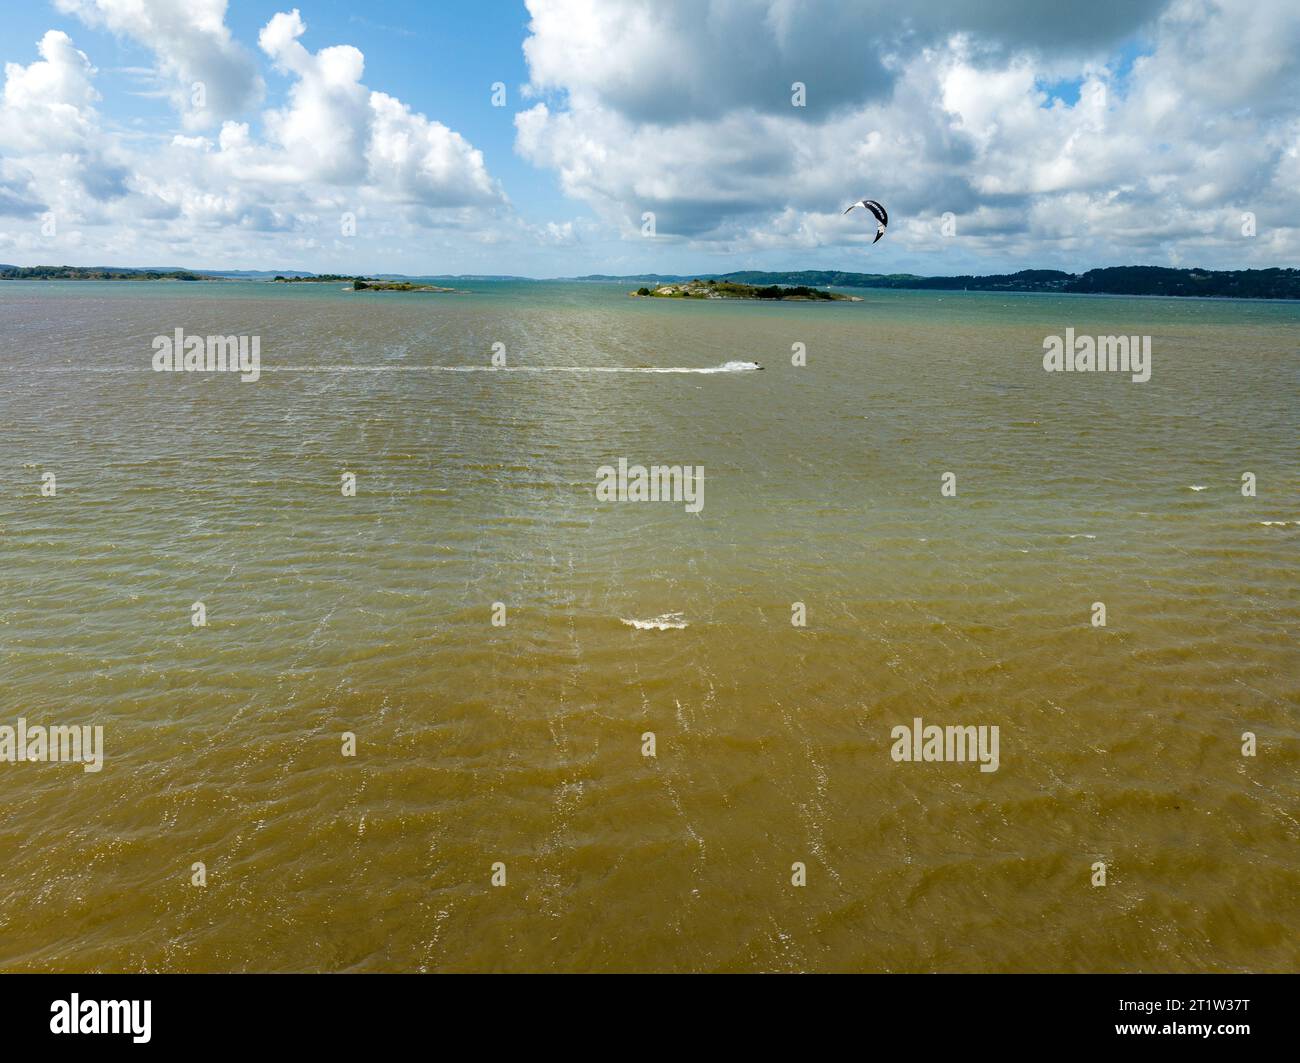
(881, 215)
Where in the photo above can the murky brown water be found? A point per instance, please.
(522, 744)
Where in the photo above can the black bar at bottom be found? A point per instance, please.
(1221, 1013)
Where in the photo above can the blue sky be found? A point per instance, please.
(441, 58)
(1001, 135)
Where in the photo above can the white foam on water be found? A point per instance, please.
(1196, 487)
(727, 367)
(669, 621)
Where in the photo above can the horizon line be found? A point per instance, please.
(224, 271)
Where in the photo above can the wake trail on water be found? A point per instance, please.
(726, 367)
(667, 622)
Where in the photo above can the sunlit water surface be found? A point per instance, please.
(522, 744)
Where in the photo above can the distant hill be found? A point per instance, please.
(1116, 280)
(11, 272)
(659, 278)
(456, 277)
(1156, 280)
(95, 273)
(1276, 283)
(254, 274)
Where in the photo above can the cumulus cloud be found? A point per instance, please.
(1067, 135)
(54, 154)
(672, 60)
(325, 127)
(336, 147)
(422, 161)
(205, 73)
(338, 131)
(48, 105)
(685, 110)
(15, 198)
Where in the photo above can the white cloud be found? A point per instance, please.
(205, 73)
(673, 60)
(55, 157)
(324, 129)
(335, 147)
(684, 110)
(422, 161)
(47, 106)
(337, 131)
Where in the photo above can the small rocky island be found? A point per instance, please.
(360, 285)
(366, 284)
(715, 289)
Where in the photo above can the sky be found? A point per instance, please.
(566, 137)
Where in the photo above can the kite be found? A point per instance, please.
(879, 212)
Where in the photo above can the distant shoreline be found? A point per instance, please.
(1274, 283)
(1254, 284)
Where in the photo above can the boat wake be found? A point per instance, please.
(667, 622)
(727, 367)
